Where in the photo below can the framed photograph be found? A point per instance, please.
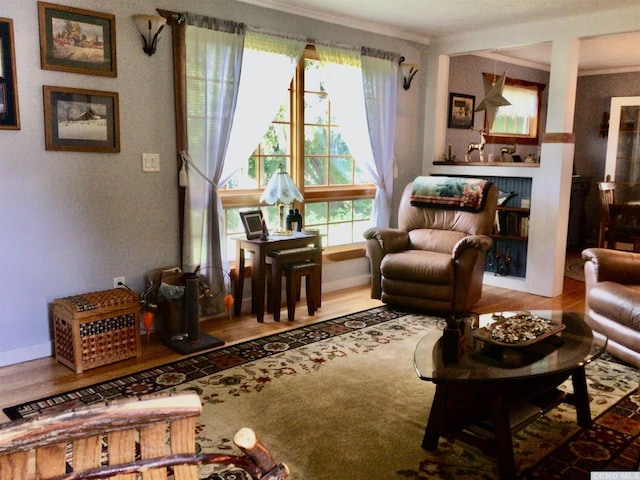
(9, 114)
(461, 110)
(81, 120)
(76, 40)
(253, 223)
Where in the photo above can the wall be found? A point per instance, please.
(73, 221)
(465, 76)
(594, 94)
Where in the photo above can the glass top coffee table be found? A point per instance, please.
(493, 389)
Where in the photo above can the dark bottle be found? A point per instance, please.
(298, 219)
(290, 219)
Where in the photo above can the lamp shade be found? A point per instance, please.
(149, 27)
(281, 189)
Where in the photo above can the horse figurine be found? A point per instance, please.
(508, 150)
(476, 146)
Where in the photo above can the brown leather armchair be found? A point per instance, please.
(613, 300)
(435, 259)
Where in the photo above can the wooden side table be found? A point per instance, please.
(260, 248)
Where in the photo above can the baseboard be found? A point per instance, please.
(24, 354)
(42, 350)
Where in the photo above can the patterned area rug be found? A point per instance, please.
(574, 268)
(341, 400)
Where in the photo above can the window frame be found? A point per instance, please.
(510, 138)
(240, 198)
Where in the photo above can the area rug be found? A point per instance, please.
(341, 400)
(574, 269)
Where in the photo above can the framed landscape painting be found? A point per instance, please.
(81, 120)
(76, 40)
(9, 114)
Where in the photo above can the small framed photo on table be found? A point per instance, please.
(253, 223)
(461, 110)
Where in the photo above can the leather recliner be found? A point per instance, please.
(435, 259)
(612, 281)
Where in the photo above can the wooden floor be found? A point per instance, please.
(43, 377)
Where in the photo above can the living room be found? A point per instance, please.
(77, 220)
(74, 221)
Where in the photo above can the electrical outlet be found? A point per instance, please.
(118, 282)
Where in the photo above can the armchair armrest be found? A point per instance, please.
(603, 265)
(389, 239)
(476, 242)
(380, 241)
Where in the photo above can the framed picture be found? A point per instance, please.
(81, 120)
(76, 40)
(253, 223)
(9, 114)
(461, 110)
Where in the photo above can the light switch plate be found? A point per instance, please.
(150, 162)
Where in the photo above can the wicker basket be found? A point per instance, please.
(96, 329)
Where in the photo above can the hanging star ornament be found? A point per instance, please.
(493, 98)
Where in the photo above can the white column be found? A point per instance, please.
(551, 189)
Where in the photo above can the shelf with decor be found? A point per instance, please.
(489, 164)
(511, 223)
(508, 257)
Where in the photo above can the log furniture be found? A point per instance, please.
(129, 439)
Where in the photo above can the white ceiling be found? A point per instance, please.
(423, 20)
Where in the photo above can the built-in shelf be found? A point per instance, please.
(489, 164)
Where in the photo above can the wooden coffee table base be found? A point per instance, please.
(458, 405)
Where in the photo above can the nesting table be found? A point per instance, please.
(296, 244)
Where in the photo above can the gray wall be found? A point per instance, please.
(593, 97)
(465, 76)
(70, 222)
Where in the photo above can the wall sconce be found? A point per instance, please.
(150, 27)
(408, 71)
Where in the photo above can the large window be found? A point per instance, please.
(305, 138)
(520, 121)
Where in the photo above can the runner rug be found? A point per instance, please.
(341, 400)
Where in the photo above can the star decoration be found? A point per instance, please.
(493, 98)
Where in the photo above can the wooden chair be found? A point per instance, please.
(607, 192)
(618, 222)
(127, 440)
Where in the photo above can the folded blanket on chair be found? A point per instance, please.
(449, 192)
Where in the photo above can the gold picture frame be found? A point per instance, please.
(76, 40)
(81, 120)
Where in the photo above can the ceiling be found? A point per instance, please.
(423, 20)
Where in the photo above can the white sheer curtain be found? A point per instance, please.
(380, 75)
(227, 115)
(268, 66)
(367, 122)
(213, 60)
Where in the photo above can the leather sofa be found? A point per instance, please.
(612, 300)
(434, 261)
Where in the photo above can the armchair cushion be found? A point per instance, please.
(613, 300)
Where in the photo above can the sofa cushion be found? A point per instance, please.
(616, 301)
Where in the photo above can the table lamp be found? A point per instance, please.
(280, 191)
